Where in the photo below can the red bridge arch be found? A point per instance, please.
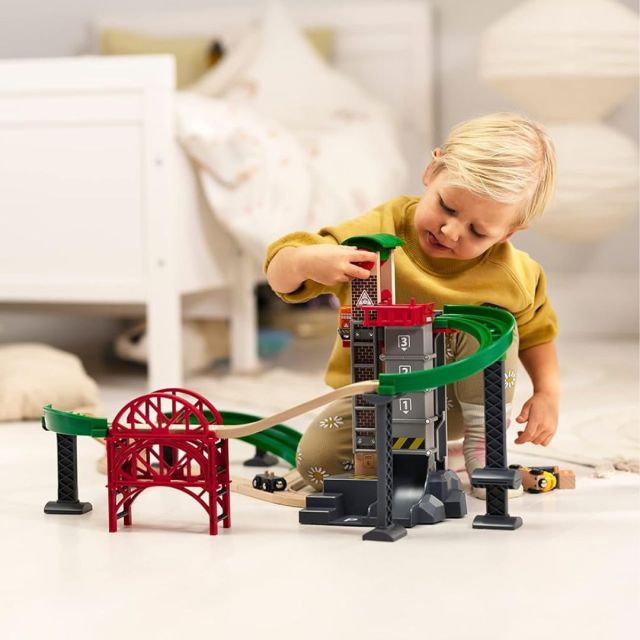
(167, 438)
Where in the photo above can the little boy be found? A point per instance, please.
(493, 176)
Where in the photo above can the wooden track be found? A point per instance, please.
(296, 492)
(294, 495)
(250, 428)
(348, 391)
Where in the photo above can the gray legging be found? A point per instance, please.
(326, 446)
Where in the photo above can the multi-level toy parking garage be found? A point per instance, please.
(176, 438)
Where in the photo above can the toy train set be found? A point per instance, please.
(176, 438)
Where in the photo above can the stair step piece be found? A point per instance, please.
(324, 501)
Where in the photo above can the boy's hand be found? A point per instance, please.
(333, 264)
(540, 412)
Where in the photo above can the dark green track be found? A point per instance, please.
(492, 327)
(280, 440)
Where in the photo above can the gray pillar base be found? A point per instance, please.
(69, 508)
(386, 534)
(446, 486)
(429, 510)
(505, 523)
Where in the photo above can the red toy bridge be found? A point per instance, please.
(166, 439)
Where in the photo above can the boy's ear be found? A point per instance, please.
(428, 172)
(521, 227)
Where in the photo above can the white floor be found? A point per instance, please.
(572, 570)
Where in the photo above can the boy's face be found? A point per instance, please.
(453, 222)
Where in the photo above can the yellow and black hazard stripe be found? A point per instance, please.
(404, 444)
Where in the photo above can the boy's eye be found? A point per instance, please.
(444, 206)
(476, 233)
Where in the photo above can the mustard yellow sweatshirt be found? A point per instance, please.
(502, 276)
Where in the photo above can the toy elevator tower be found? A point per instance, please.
(385, 337)
(366, 343)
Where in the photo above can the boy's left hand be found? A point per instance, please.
(540, 412)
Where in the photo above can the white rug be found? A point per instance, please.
(599, 422)
(605, 437)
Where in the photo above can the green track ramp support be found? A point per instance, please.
(69, 423)
(492, 328)
(68, 426)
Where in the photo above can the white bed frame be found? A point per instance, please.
(99, 205)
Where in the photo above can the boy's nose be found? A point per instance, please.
(450, 230)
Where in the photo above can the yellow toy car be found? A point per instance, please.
(544, 479)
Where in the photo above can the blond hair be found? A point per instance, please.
(503, 156)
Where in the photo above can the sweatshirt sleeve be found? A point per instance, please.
(374, 221)
(308, 289)
(537, 322)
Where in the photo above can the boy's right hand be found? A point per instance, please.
(333, 264)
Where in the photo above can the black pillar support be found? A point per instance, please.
(386, 530)
(67, 502)
(440, 429)
(495, 477)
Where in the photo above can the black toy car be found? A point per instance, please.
(269, 481)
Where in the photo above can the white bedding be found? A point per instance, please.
(283, 142)
(262, 181)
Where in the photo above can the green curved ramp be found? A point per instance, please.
(492, 328)
(279, 440)
(69, 423)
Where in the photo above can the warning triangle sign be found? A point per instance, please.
(364, 299)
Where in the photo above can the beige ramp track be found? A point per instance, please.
(240, 430)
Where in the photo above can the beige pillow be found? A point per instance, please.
(321, 39)
(34, 375)
(277, 73)
(194, 55)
